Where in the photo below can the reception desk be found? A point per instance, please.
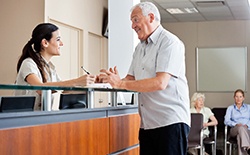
(93, 131)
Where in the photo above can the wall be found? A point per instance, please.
(211, 34)
(18, 18)
(122, 38)
(82, 14)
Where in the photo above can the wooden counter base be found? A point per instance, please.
(98, 136)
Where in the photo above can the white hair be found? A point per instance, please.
(195, 97)
(147, 8)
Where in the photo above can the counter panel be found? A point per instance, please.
(87, 137)
(123, 131)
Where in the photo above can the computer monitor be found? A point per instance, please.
(73, 101)
(17, 103)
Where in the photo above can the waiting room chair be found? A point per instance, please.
(229, 140)
(212, 139)
(195, 137)
(219, 113)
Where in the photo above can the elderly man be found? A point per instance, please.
(157, 72)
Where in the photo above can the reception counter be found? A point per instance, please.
(103, 131)
(94, 131)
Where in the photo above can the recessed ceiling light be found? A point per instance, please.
(191, 10)
(181, 10)
(174, 11)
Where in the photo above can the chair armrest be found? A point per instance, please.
(201, 140)
(226, 128)
(215, 133)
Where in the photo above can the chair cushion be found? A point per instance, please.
(193, 145)
(208, 140)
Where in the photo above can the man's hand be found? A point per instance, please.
(111, 76)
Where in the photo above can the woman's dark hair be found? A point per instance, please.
(33, 48)
(239, 90)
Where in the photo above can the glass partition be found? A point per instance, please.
(46, 92)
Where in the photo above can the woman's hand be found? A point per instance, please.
(205, 125)
(85, 80)
(242, 125)
(99, 78)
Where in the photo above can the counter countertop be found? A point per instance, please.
(21, 119)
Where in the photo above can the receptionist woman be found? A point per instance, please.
(34, 66)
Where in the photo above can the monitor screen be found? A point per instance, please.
(72, 101)
(17, 103)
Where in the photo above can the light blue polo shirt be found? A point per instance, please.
(164, 52)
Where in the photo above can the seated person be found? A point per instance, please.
(238, 118)
(35, 68)
(197, 106)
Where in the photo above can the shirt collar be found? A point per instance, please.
(243, 105)
(49, 64)
(154, 36)
(45, 60)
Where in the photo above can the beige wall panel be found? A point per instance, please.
(67, 64)
(95, 58)
(16, 27)
(18, 18)
(84, 14)
(221, 34)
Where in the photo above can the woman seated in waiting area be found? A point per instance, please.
(34, 66)
(197, 106)
(238, 117)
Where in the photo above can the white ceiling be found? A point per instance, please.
(213, 10)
